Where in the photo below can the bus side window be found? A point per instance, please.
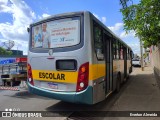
(114, 49)
(121, 51)
(117, 49)
(98, 42)
(131, 55)
(128, 54)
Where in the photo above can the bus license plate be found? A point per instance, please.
(53, 85)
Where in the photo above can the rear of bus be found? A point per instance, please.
(58, 58)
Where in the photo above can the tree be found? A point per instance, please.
(144, 19)
(5, 52)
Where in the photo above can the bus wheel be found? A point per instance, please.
(118, 83)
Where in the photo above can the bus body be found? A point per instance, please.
(80, 60)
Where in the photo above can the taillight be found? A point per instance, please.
(83, 76)
(30, 77)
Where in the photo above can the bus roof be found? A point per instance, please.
(59, 15)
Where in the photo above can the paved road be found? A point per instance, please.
(140, 93)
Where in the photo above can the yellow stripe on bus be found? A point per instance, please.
(95, 71)
(55, 76)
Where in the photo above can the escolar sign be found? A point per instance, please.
(55, 76)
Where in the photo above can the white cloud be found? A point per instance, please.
(4, 7)
(19, 45)
(118, 30)
(135, 47)
(124, 34)
(116, 27)
(103, 19)
(22, 17)
(45, 15)
(129, 38)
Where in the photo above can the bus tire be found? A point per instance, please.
(118, 83)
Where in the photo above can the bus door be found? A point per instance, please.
(108, 61)
(125, 62)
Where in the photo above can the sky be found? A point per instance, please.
(17, 15)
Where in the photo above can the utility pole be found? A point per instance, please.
(123, 3)
(142, 59)
(126, 3)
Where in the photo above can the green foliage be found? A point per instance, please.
(145, 55)
(144, 19)
(5, 52)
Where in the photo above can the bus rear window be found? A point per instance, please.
(57, 33)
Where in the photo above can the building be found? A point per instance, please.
(155, 60)
(17, 52)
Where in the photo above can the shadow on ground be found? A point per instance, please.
(138, 84)
(79, 109)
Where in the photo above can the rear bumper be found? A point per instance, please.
(136, 64)
(84, 97)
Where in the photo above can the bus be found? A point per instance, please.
(74, 57)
